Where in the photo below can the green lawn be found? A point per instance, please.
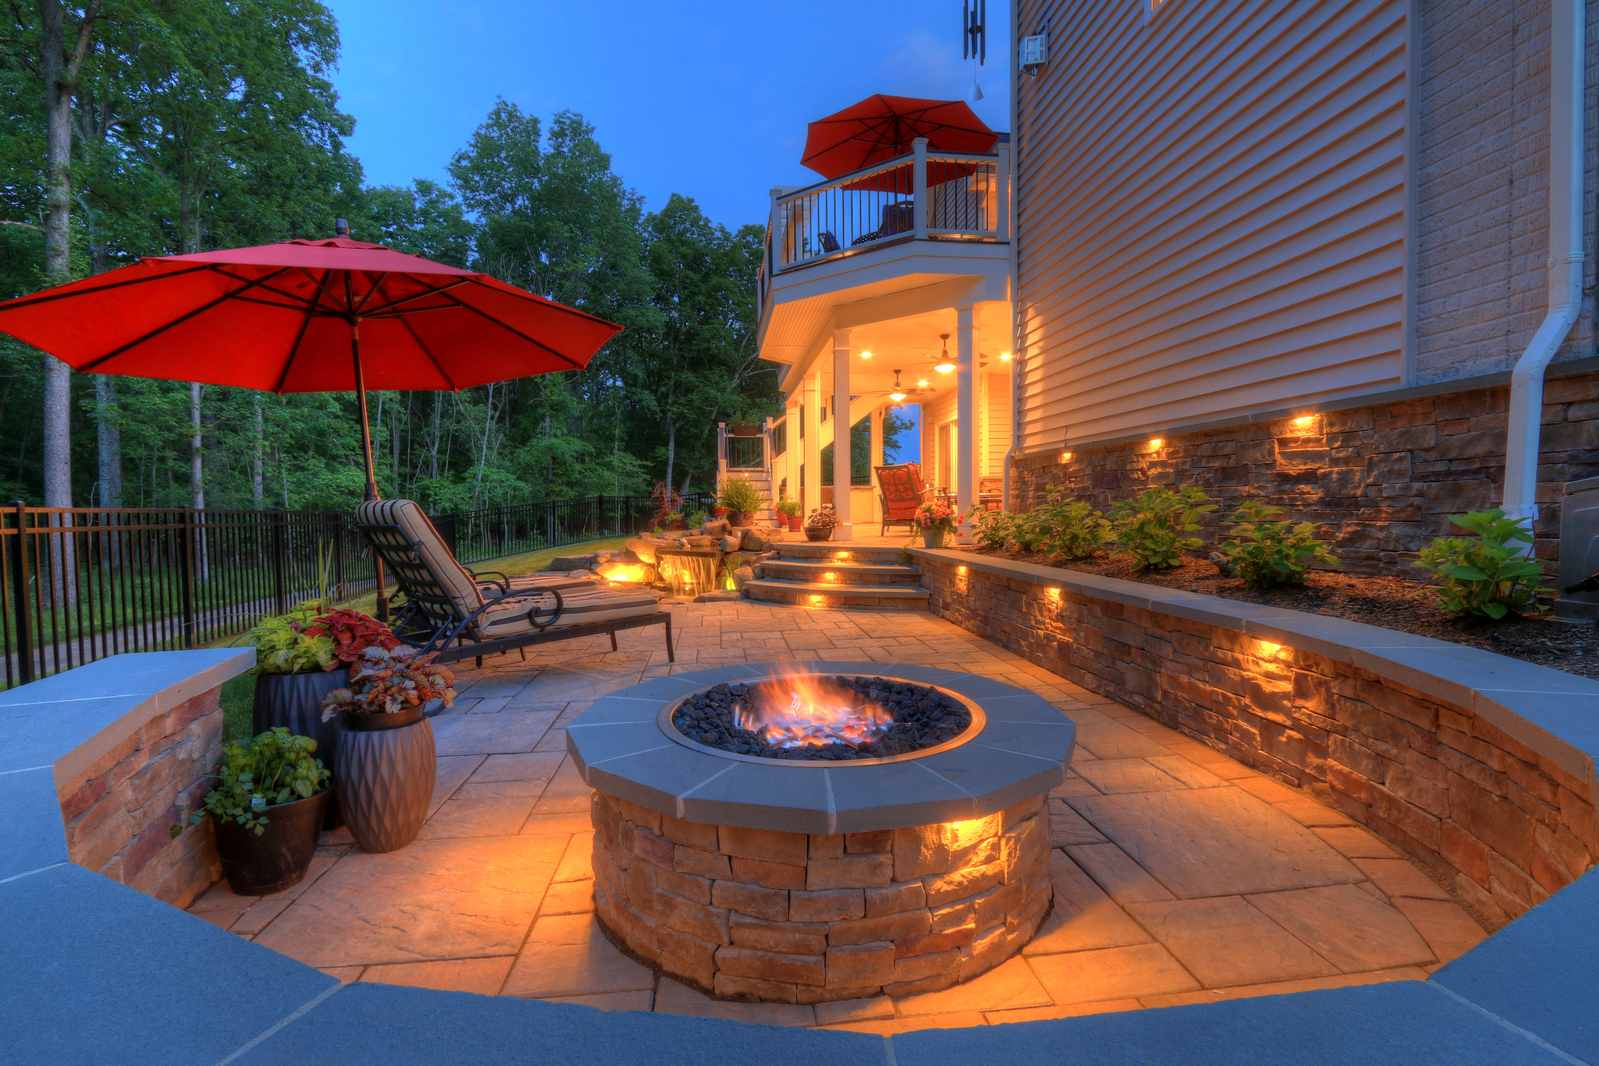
(238, 695)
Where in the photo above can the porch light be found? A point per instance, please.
(1065, 457)
(944, 367)
(866, 353)
(1004, 357)
(897, 396)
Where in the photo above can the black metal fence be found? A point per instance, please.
(78, 584)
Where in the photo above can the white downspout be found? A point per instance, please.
(1018, 353)
(1566, 114)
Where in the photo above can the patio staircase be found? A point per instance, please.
(822, 574)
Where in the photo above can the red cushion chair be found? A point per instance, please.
(902, 491)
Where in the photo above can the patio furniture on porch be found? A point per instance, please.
(902, 491)
(458, 614)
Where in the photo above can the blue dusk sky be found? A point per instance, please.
(705, 99)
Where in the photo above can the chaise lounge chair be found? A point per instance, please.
(457, 614)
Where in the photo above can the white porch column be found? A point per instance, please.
(965, 415)
(841, 435)
(792, 455)
(919, 188)
(812, 497)
(878, 415)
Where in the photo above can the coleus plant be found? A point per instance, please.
(386, 681)
(352, 633)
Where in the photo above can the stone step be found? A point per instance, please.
(825, 550)
(832, 572)
(815, 594)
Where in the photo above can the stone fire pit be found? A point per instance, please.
(802, 880)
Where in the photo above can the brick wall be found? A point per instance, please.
(1501, 823)
(1381, 480)
(1481, 109)
(121, 811)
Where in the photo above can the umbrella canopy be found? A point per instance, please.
(880, 128)
(306, 316)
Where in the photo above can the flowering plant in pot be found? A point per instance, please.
(936, 519)
(267, 808)
(741, 498)
(790, 510)
(819, 524)
(385, 768)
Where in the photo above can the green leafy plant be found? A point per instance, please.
(1268, 552)
(740, 496)
(1489, 574)
(391, 682)
(694, 519)
(1158, 525)
(286, 644)
(256, 775)
(1064, 529)
(995, 530)
(789, 508)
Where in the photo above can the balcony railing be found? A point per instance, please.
(921, 196)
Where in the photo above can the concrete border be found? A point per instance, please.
(97, 972)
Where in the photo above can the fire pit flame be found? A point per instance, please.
(812, 717)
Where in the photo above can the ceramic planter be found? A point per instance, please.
(384, 778)
(737, 518)
(933, 538)
(294, 701)
(795, 523)
(278, 858)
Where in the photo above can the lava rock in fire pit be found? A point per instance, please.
(835, 718)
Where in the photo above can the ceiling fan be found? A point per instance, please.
(901, 392)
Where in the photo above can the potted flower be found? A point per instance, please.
(936, 519)
(266, 808)
(741, 498)
(790, 511)
(819, 523)
(302, 656)
(385, 769)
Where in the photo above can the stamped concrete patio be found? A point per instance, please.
(1180, 875)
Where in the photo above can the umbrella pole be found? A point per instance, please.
(366, 454)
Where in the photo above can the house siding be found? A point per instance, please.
(1211, 211)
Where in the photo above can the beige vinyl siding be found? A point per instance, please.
(997, 441)
(1211, 211)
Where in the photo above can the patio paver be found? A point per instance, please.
(1161, 895)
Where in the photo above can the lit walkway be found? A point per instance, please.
(1180, 875)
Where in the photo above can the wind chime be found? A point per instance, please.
(974, 38)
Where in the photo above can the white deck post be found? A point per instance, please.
(919, 188)
(845, 530)
(812, 498)
(966, 415)
(792, 445)
(1001, 221)
(878, 415)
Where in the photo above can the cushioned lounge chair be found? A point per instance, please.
(458, 614)
(902, 491)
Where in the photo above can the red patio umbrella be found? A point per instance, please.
(306, 316)
(329, 315)
(880, 128)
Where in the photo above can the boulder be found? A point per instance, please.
(567, 563)
(643, 549)
(728, 544)
(755, 539)
(743, 574)
(716, 527)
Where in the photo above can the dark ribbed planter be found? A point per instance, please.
(384, 778)
(278, 858)
(294, 701)
(815, 533)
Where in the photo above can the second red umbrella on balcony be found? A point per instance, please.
(880, 128)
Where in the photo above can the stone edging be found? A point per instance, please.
(620, 749)
(91, 966)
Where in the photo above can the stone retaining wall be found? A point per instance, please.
(803, 918)
(1381, 480)
(1504, 824)
(121, 809)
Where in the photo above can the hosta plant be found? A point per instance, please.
(995, 530)
(391, 682)
(1159, 524)
(1268, 552)
(275, 767)
(1489, 574)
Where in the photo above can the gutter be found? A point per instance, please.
(1018, 352)
(1567, 40)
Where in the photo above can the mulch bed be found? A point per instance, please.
(1391, 602)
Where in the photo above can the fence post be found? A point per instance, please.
(19, 595)
(186, 577)
(340, 528)
(280, 561)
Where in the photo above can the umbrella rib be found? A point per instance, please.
(96, 363)
(512, 329)
(305, 324)
(29, 301)
(552, 305)
(380, 311)
(420, 343)
(383, 275)
(285, 293)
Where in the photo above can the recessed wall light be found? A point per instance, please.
(1157, 443)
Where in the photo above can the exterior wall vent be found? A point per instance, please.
(1579, 551)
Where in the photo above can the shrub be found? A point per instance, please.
(1488, 574)
(995, 530)
(391, 682)
(1268, 552)
(276, 767)
(695, 519)
(1157, 525)
(284, 643)
(352, 633)
(1065, 529)
(740, 496)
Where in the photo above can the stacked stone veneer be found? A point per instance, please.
(803, 918)
(121, 810)
(1381, 480)
(1503, 824)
